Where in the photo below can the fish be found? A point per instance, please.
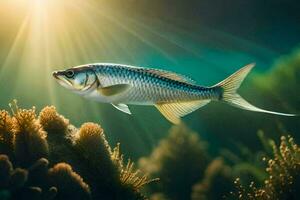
(174, 95)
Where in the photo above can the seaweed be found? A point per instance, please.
(68, 182)
(283, 175)
(16, 183)
(53, 122)
(29, 142)
(217, 182)
(46, 157)
(179, 160)
(6, 133)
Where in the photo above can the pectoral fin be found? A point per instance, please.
(114, 89)
(122, 107)
(173, 111)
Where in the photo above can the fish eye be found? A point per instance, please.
(69, 74)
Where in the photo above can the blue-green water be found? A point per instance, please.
(199, 43)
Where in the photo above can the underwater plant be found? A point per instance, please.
(217, 181)
(62, 176)
(52, 121)
(30, 142)
(14, 183)
(6, 132)
(179, 160)
(83, 164)
(283, 175)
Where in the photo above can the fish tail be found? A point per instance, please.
(229, 94)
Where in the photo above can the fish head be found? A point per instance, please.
(78, 79)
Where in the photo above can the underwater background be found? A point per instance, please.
(218, 152)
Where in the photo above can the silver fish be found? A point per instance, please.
(172, 94)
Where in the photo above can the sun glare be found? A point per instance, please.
(47, 35)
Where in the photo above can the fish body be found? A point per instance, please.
(146, 86)
(174, 95)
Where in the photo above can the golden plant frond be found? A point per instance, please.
(117, 156)
(6, 128)
(25, 119)
(29, 141)
(128, 174)
(6, 122)
(283, 171)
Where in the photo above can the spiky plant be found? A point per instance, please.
(128, 175)
(30, 142)
(217, 181)
(284, 175)
(6, 133)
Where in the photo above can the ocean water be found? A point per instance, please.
(206, 41)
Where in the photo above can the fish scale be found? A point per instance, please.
(149, 87)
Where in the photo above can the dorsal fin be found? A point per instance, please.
(170, 75)
(173, 111)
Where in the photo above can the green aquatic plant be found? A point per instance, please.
(179, 160)
(285, 70)
(283, 175)
(84, 165)
(217, 181)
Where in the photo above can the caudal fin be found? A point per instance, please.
(230, 86)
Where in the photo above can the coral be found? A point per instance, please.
(93, 148)
(18, 178)
(52, 122)
(35, 144)
(284, 175)
(217, 181)
(39, 182)
(69, 184)
(30, 142)
(6, 133)
(179, 160)
(6, 169)
(18, 184)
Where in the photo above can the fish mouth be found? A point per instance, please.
(60, 78)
